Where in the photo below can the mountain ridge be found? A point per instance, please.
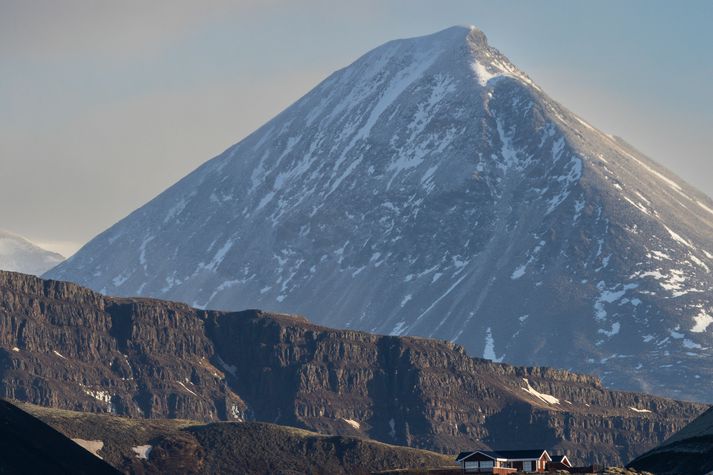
(64, 346)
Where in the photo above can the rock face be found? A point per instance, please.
(134, 357)
(689, 451)
(431, 188)
(162, 446)
(20, 255)
(31, 446)
(64, 346)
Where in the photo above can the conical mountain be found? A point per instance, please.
(431, 188)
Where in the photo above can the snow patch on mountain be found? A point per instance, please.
(489, 350)
(142, 451)
(701, 322)
(352, 423)
(549, 399)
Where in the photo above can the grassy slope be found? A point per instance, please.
(230, 447)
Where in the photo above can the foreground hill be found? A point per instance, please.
(64, 346)
(162, 446)
(431, 188)
(29, 446)
(688, 452)
(20, 255)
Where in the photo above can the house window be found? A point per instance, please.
(471, 465)
(486, 464)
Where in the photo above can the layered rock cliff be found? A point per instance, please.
(65, 346)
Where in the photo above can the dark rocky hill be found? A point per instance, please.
(688, 452)
(29, 446)
(65, 346)
(162, 446)
(431, 188)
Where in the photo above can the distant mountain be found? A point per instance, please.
(20, 255)
(64, 346)
(31, 446)
(431, 188)
(689, 451)
(161, 446)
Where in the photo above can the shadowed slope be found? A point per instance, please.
(31, 446)
(689, 451)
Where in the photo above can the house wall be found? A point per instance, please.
(475, 466)
(478, 463)
(493, 470)
(542, 463)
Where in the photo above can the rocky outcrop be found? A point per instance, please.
(67, 347)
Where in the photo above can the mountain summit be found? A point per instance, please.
(20, 255)
(431, 188)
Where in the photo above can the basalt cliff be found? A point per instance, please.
(64, 346)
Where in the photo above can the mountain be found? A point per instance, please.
(20, 255)
(67, 347)
(431, 188)
(188, 447)
(31, 446)
(689, 451)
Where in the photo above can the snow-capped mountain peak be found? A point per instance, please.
(20, 255)
(431, 188)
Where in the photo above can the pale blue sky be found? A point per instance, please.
(104, 104)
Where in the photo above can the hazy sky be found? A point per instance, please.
(104, 104)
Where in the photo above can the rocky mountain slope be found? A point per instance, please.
(688, 452)
(65, 346)
(431, 188)
(162, 446)
(20, 255)
(31, 446)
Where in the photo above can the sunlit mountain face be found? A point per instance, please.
(431, 188)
